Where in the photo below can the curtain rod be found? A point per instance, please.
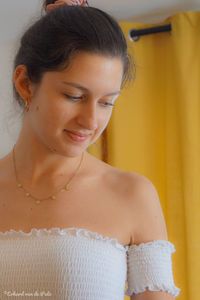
(135, 34)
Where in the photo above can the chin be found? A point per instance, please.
(73, 152)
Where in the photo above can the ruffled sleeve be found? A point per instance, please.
(149, 267)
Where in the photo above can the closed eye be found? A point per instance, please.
(108, 104)
(73, 98)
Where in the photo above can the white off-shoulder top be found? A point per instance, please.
(79, 264)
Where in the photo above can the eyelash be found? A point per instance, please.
(78, 98)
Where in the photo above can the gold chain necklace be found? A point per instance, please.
(38, 201)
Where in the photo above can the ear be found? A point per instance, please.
(22, 83)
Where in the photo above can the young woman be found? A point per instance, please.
(71, 226)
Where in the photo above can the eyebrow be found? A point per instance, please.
(80, 87)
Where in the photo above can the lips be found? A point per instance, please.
(78, 133)
(76, 137)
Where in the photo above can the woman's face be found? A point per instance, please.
(79, 99)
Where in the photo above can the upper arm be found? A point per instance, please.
(148, 222)
(148, 225)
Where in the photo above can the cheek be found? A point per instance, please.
(104, 119)
(47, 117)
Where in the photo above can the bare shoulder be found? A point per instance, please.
(141, 198)
(146, 214)
(140, 191)
(114, 177)
(128, 184)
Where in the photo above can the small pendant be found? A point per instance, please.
(27, 194)
(38, 202)
(19, 185)
(67, 188)
(53, 197)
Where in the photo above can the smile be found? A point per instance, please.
(76, 137)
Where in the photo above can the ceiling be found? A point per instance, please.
(15, 15)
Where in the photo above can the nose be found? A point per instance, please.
(88, 116)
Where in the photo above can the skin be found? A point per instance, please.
(43, 147)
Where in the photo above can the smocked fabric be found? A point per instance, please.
(150, 268)
(76, 263)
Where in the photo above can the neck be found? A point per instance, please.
(39, 165)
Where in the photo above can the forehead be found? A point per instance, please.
(93, 70)
(94, 60)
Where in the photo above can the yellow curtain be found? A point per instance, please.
(155, 131)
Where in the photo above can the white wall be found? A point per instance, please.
(9, 112)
